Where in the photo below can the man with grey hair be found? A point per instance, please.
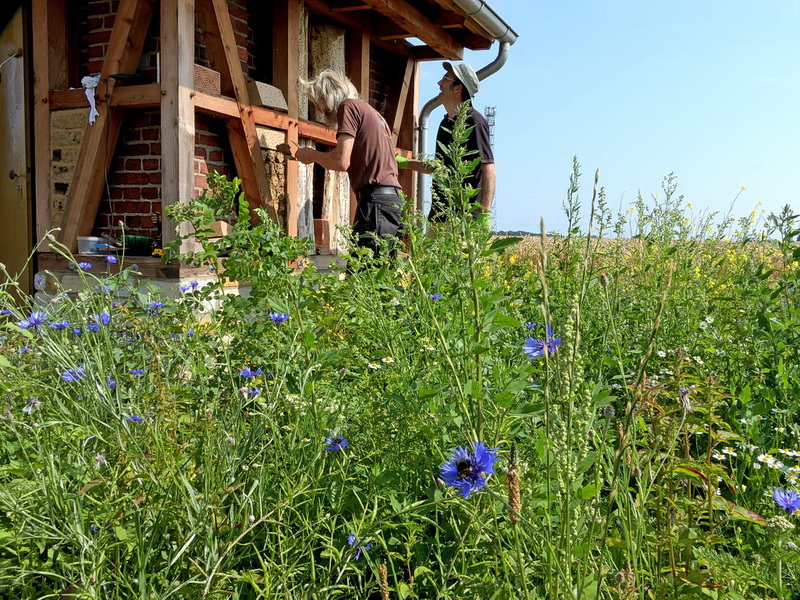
(458, 86)
(365, 150)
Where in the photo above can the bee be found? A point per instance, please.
(464, 468)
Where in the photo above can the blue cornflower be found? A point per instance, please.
(59, 324)
(134, 419)
(530, 325)
(111, 259)
(335, 442)
(137, 371)
(24, 350)
(174, 336)
(788, 500)
(187, 287)
(352, 541)
(72, 375)
(248, 373)
(35, 320)
(111, 383)
(468, 472)
(190, 333)
(92, 326)
(76, 330)
(31, 405)
(93, 529)
(85, 266)
(154, 306)
(104, 288)
(254, 392)
(278, 317)
(435, 296)
(536, 348)
(5, 311)
(102, 319)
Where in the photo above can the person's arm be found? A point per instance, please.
(488, 174)
(414, 165)
(337, 159)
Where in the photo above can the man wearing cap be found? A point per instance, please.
(459, 85)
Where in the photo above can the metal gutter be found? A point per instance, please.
(483, 15)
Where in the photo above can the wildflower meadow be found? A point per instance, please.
(608, 413)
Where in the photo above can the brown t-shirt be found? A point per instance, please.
(372, 161)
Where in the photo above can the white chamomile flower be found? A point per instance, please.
(387, 360)
(373, 365)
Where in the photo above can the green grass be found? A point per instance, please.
(635, 440)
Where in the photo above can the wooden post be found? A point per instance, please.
(223, 54)
(177, 109)
(124, 50)
(286, 69)
(357, 56)
(41, 14)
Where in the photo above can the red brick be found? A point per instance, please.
(215, 156)
(155, 149)
(202, 168)
(206, 140)
(132, 178)
(150, 164)
(138, 150)
(108, 22)
(156, 207)
(96, 51)
(132, 193)
(95, 23)
(151, 133)
(98, 37)
(133, 135)
(133, 164)
(130, 208)
(200, 152)
(154, 178)
(199, 181)
(116, 193)
(150, 193)
(95, 66)
(138, 120)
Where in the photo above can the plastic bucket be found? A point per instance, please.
(90, 244)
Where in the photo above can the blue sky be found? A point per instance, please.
(708, 90)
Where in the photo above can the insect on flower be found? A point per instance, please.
(467, 471)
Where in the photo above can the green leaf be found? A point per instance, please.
(505, 320)
(121, 533)
(504, 242)
(588, 491)
(734, 511)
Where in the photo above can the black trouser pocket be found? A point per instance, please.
(378, 216)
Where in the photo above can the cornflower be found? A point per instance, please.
(72, 375)
(187, 287)
(111, 259)
(100, 461)
(35, 320)
(788, 500)
(248, 373)
(31, 405)
(155, 305)
(352, 541)
(468, 472)
(278, 317)
(84, 266)
(59, 324)
(435, 296)
(335, 442)
(536, 348)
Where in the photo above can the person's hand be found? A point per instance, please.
(304, 155)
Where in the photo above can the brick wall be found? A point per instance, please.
(133, 191)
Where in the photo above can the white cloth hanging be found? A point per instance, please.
(89, 83)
